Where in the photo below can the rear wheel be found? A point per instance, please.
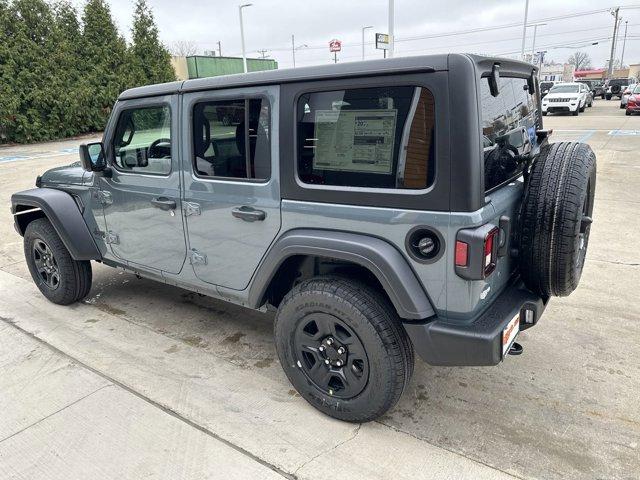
(556, 217)
(59, 277)
(343, 348)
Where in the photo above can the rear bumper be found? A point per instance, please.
(478, 343)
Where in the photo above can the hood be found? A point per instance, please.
(561, 95)
(68, 175)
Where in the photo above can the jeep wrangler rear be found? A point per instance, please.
(381, 207)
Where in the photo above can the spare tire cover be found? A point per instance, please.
(615, 88)
(555, 218)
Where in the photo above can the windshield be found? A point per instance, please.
(636, 89)
(546, 85)
(564, 89)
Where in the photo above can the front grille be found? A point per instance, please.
(559, 99)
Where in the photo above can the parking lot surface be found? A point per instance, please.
(144, 380)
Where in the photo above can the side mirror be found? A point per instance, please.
(494, 80)
(92, 157)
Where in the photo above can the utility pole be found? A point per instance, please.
(244, 55)
(219, 48)
(363, 29)
(624, 43)
(293, 50)
(613, 41)
(391, 25)
(533, 44)
(524, 28)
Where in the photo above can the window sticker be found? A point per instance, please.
(355, 140)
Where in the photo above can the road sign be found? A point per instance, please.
(335, 45)
(382, 41)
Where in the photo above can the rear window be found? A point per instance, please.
(379, 137)
(506, 120)
(619, 81)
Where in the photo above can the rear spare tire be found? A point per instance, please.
(555, 218)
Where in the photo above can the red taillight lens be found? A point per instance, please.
(490, 242)
(462, 254)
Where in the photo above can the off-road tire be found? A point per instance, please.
(608, 97)
(376, 324)
(555, 218)
(74, 276)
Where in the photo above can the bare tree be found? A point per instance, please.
(183, 48)
(580, 60)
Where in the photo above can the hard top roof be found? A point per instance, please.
(425, 63)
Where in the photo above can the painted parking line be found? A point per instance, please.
(58, 153)
(624, 133)
(576, 135)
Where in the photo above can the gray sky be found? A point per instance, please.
(269, 25)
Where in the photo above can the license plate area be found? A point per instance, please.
(509, 333)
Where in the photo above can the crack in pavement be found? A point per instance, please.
(335, 447)
(55, 413)
(165, 409)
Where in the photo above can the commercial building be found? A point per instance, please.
(199, 66)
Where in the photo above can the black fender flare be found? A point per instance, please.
(65, 216)
(378, 256)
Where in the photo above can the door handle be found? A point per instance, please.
(164, 203)
(249, 214)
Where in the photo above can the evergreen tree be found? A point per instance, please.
(8, 97)
(105, 67)
(152, 61)
(30, 40)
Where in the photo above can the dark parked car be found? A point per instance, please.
(614, 87)
(381, 208)
(596, 87)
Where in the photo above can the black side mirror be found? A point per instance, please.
(92, 157)
(494, 80)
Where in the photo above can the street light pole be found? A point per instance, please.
(624, 43)
(363, 29)
(533, 44)
(391, 25)
(524, 28)
(244, 55)
(613, 41)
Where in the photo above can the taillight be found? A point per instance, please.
(490, 250)
(462, 254)
(476, 251)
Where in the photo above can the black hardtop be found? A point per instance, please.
(425, 63)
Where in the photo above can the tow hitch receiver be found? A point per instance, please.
(516, 349)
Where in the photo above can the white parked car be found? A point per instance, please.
(626, 94)
(567, 97)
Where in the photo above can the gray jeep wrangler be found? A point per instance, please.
(382, 207)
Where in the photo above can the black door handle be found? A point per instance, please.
(164, 203)
(249, 214)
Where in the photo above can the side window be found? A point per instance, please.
(142, 140)
(379, 137)
(509, 123)
(231, 139)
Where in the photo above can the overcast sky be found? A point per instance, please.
(269, 25)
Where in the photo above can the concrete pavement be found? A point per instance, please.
(567, 408)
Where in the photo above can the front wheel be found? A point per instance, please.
(60, 278)
(576, 112)
(343, 348)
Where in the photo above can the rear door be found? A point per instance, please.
(509, 123)
(231, 181)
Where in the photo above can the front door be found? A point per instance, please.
(141, 199)
(231, 182)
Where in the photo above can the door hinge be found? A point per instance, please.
(191, 208)
(197, 258)
(111, 238)
(105, 198)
